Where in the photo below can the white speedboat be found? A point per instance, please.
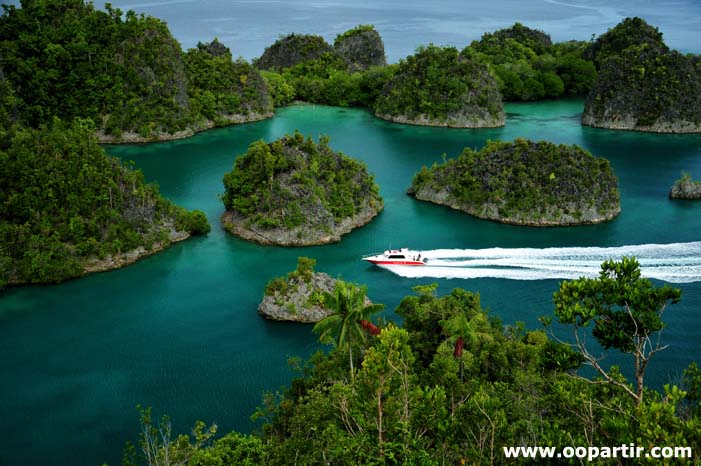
(402, 256)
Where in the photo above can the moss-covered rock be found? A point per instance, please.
(642, 85)
(295, 192)
(647, 89)
(292, 49)
(439, 87)
(361, 47)
(524, 183)
(631, 32)
(298, 297)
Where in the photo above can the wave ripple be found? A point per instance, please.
(674, 263)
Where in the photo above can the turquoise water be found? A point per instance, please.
(179, 331)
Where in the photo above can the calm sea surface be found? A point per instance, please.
(179, 331)
(248, 26)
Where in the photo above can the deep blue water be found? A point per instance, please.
(248, 26)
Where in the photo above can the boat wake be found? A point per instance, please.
(675, 263)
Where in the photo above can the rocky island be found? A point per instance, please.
(437, 86)
(524, 183)
(123, 71)
(298, 297)
(643, 85)
(685, 188)
(295, 192)
(83, 210)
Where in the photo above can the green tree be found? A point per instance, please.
(344, 327)
(626, 311)
(464, 328)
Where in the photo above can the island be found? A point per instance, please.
(437, 86)
(524, 183)
(125, 72)
(67, 209)
(295, 192)
(642, 84)
(299, 297)
(685, 188)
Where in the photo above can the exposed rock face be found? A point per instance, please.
(294, 192)
(300, 302)
(292, 49)
(361, 48)
(118, 261)
(438, 87)
(685, 188)
(524, 183)
(307, 234)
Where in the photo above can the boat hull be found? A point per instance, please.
(402, 256)
(393, 262)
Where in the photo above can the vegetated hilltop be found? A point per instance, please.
(439, 87)
(642, 85)
(304, 67)
(524, 183)
(361, 47)
(294, 192)
(528, 66)
(685, 188)
(225, 91)
(66, 208)
(123, 71)
(292, 49)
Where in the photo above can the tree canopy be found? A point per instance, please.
(414, 400)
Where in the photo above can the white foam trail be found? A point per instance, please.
(674, 263)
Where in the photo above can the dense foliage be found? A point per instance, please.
(628, 33)
(524, 182)
(528, 66)
(453, 386)
(295, 184)
(438, 86)
(351, 73)
(223, 90)
(64, 201)
(642, 84)
(125, 72)
(292, 49)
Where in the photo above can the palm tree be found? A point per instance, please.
(350, 316)
(462, 329)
